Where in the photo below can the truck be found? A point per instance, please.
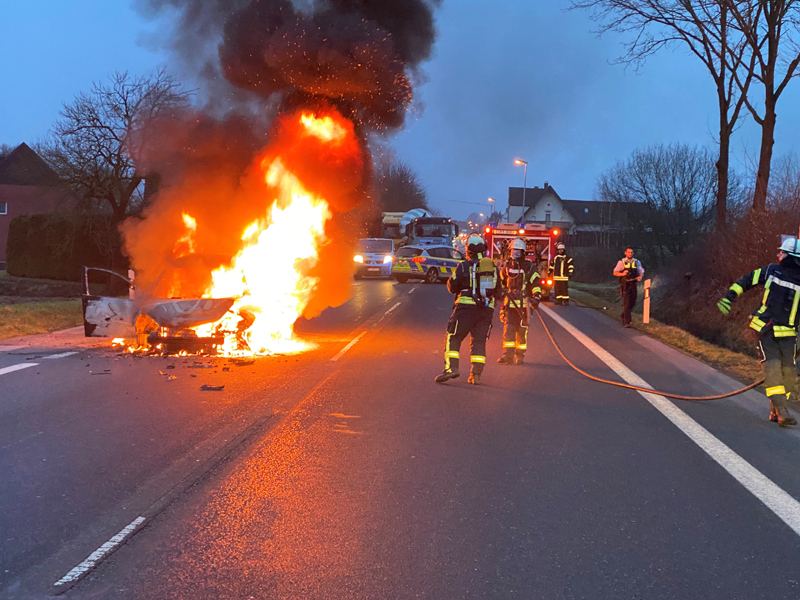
(540, 242)
(425, 231)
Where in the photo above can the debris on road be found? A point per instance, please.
(171, 377)
(211, 388)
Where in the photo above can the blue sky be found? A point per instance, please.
(517, 78)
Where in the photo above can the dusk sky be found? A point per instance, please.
(518, 78)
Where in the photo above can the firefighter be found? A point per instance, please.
(776, 322)
(521, 289)
(630, 271)
(561, 270)
(476, 284)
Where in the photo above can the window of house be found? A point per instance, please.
(3, 208)
(547, 216)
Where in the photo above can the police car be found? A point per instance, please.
(430, 263)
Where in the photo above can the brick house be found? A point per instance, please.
(27, 186)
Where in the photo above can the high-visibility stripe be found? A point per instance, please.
(478, 359)
(757, 324)
(465, 300)
(522, 347)
(557, 278)
(781, 331)
(775, 390)
(795, 304)
(537, 290)
(451, 354)
(756, 276)
(509, 344)
(782, 283)
(737, 288)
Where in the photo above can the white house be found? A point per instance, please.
(544, 205)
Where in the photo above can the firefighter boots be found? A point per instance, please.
(446, 376)
(475, 374)
(784, 419)
(773, 413)
(519, 360)
(506, 359)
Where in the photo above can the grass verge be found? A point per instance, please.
(604, 297)
(29, 318)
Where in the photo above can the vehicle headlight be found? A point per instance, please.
(358, 258)
(387, 259)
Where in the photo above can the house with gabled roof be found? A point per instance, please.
(27, 186)
(582, 218)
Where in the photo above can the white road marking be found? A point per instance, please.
(18, 367)
(350, 345)
(778, 501)
(62, 355)
(100, 553)
(363, 333)
(391, 309)
(411, 291)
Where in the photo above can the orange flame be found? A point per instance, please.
(270, 277)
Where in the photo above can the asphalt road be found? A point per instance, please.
(309, 477)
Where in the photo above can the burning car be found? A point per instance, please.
(167, 323)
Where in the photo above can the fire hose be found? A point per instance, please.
(643, 389)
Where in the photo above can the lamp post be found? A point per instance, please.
(519, 162)
(491, 206)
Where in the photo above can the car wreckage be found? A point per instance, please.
(157, 323)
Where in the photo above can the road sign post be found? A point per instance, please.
(646, 310)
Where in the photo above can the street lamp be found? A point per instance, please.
(519, 162)
(491, 206)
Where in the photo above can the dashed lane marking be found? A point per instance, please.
(773, 497)
(363, 333)
(19, 367)
(100, 553)
(350, 345)
(61, 355)
(27, 365)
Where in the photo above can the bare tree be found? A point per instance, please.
(399, 187)
(703, 26)
(95, 144)
(672, 189)
(5, 150)
(770, 28)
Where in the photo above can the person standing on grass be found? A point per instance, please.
(630, 272)
(776, 322)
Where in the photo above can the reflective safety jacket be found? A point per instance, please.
(779, 306)
(562, 267)
(475, 283)
(520, 282)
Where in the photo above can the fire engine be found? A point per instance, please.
(540, 240)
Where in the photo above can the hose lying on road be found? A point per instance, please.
(643, 389)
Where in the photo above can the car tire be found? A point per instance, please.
(401, 278)
(432, 276)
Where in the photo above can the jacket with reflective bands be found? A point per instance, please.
(520, 281)
(779, 305)
(562, 267)
(465, 282)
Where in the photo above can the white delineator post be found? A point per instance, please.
(646, 309)
(131, 289)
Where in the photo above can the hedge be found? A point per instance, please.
(56, 246)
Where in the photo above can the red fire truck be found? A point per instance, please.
(540, 240)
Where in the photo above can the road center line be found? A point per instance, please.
(350, 345)
(778, 501)
(61, 355)
(100, 553)
(18, 367)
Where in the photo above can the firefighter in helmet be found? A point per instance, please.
(776, 321)
(521, 289)
(561, 270)
(476, 284)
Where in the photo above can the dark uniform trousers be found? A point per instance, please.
(779, 372)
(629, 293)
(515, 329)
(561, 289)
(475, 321)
